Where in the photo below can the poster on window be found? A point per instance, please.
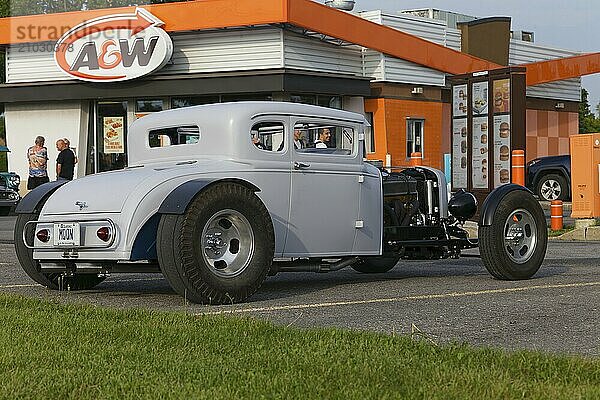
(502, 96)
(479, 160)
(114, 140)
(459, 153)
(480, 98)
(501, 150)
(459, 100)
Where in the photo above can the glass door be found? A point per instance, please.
(110, 135)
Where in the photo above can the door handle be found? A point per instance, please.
(300, 165)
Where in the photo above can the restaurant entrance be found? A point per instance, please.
(107, 137)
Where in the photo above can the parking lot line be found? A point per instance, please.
(19, 286)
(397, 299)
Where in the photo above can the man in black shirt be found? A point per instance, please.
(65, 163)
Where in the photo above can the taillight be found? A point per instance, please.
(103, 233)
(43, 235)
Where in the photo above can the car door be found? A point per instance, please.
(325, 188)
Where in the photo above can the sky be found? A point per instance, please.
(570, 25)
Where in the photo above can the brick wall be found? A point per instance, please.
(548, 132)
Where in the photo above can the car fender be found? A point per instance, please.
(34, 199)
(493, 200)
(143, 230)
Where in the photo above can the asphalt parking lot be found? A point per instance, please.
(448, 300)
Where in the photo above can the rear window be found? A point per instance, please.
(175, 136)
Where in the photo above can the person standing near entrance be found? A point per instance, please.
(37, 156)
(65, 163)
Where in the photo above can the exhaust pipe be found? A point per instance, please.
(311, 266)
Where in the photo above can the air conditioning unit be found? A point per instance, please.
(417, 90)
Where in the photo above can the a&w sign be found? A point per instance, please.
(114, 48)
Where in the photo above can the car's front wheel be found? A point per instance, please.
(221, 250)
(513, 247)
(552, 187)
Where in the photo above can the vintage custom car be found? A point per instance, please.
(217, 197)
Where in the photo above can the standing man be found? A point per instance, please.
(37, 156)
(65, 163)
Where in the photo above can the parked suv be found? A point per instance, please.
(550, 177)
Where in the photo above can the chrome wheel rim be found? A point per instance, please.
(227, 243)
(551, 189)
(520, 236)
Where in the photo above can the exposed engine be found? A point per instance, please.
(416, 217)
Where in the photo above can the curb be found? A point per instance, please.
(587, 234)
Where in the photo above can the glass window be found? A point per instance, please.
(166, 137)
(246, 97)
(303, 98)
(148, 105)
(323, 138)
(414, 136)
(369, 134)
(178, 102)
(268, 136)
(330, 101)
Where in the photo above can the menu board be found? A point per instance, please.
(480, 98)
(114, 140)
(502, 96)
(459, 153)
(501, 149)
(459, 101)
(479, 160)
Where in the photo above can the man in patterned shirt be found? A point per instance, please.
(37, 155)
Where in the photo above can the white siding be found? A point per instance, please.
(525, 52)
(235, 50)
(390, 69)
(311, 54)
(215, 51)
(453, 39)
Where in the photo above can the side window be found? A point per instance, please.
(268, 136)
(180, 135)
(324, 138)
(414, 136)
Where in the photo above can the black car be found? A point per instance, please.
(8, 196)
(550, 177)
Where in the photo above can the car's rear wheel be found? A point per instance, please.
(221, 249)
(32, 267)
(552, 187)
(514, 245)
(376, 265)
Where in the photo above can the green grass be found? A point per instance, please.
(49, 350)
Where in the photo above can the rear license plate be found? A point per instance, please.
(66, 234)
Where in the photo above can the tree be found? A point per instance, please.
(588, 122)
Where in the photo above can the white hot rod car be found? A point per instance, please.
(217, 197)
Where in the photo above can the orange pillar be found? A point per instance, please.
(518, 167)
(416, 159)
(556, 215)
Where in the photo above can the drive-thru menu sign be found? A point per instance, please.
(114, 48)
(488, 122)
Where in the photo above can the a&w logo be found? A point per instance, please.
(114, 48)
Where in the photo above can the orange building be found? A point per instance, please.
(393, 68)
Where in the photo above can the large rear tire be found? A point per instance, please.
(221, 250)
(513, 247)
(32, 267)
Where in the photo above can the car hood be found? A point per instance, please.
(99, 193)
